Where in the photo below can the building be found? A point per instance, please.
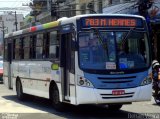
(66, 8)
(10, 21)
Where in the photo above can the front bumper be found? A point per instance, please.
(104, 96)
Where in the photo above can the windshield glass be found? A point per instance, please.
(113, 50)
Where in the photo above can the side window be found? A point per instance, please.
(33, 47)
(54, 45)
(21, 48)
(39, 46)
(26, 47)
(46, 45)
(14, 45)
(17, 48)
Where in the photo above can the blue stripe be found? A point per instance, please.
(116, 81)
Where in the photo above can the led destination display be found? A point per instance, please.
(111, 22)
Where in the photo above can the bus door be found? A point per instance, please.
(9, 60)
(67, 66)
(65, 61)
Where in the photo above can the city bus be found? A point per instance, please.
(86, 59)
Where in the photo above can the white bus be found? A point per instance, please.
(78, 60)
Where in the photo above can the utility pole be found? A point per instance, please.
(3, 31)
(16, 21)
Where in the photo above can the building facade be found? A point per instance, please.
(67, 8)
(11, 22)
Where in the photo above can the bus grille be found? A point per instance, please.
(117, 80)
(111, 78)
(110, 96)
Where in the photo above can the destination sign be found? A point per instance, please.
(111, 22)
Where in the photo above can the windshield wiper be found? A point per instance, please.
(105, 45)
(126, 36)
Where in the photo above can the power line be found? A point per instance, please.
(16, 1)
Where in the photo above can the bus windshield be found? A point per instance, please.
(113, 50)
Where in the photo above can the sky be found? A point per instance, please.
(15, 4)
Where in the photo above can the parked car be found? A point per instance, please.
(1, 70)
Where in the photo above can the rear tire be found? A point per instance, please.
(115, 107)
(59, 106)
(19, 90)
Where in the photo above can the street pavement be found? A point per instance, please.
(40, 108)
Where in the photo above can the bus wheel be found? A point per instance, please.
(19, 90)
(59, 106)
(115, 107)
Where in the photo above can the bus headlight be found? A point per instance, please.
(146, 81)
(84, 82)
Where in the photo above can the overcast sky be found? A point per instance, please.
(14, 4)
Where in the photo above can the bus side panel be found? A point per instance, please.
(5, 74)
(35, 77)
(56, 77)
(7, 79)
(15, 74)
(72, 89)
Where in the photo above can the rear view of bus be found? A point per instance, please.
(114, 60)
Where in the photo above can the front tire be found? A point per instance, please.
(19, 90)
(59, 106)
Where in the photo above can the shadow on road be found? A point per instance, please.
(156, 104)
(82, 111)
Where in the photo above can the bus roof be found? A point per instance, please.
(63, 21)
(33, 29)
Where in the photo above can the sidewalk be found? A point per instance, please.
(10, 104)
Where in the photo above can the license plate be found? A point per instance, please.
(118, 92)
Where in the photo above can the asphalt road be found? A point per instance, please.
(40, 108)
